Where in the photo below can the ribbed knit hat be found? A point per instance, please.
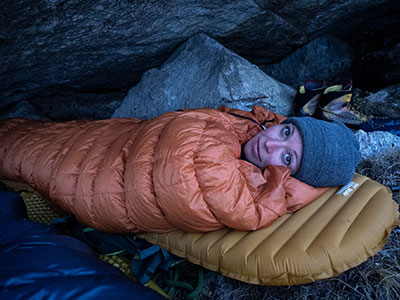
(330, 152)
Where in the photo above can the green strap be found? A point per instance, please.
(173, 282)
(179, 284)
(199, 287)
(115, 253)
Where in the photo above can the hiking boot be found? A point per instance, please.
(336, 105)
(308, 97)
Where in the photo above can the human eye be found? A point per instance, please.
(286, 131)
(287, 159)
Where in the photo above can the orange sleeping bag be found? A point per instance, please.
(181, 170)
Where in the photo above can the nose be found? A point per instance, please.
(272, 145)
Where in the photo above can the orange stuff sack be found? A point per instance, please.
(181, 170)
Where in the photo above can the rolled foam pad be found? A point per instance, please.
(336, 232)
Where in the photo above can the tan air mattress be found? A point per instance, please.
(338, 231)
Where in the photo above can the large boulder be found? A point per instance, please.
(203, 73)
(54, 47)
(327, 57)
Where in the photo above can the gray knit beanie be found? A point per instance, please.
(330, 152)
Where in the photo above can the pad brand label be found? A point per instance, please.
(348, 189)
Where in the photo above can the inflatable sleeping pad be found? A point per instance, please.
(336, 232)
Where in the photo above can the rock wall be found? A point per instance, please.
(56, 51)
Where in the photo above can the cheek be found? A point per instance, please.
(274, 159)
(247, 147)
(249, 153)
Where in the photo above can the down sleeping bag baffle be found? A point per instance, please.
(180, 170)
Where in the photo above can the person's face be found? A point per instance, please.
(278, 145)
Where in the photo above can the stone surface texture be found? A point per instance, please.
(203, 73)
(56, 47)
(374, 145)
(22, 109)
(385, 103)
(380, 158)
(326, 57)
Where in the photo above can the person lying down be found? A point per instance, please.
(197, 170)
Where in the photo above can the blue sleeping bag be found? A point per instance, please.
(38, 262)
